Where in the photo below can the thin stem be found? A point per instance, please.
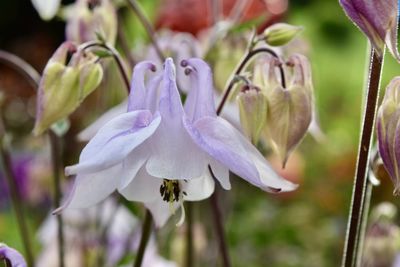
(189, 234)
(15, 196)
(240, 68)
(57, 166)
(116, 56)
(219, 226)
(21, 66)
(360, 183)
(146, 24)
(220, 229)
(146, 231)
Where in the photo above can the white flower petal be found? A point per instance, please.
(174, 154)
(89, 132)
(161, 210)
(115, 141)
(143, 188)
(90, 189)
(199, 188)
(47, 9)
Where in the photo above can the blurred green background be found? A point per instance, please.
(301, 229)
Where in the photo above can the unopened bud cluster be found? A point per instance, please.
(282, 111)
(68, 78)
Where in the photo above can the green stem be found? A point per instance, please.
(218, 224)
(146, 231)
(115, 55)
(246, 59)
(358, 203)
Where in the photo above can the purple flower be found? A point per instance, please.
(378, 19)
(388, 131)
(12, 256)
(161, 153)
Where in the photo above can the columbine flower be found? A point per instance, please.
(378, 20)
(164, 153)
(65, 84)
(47, 9)
(11, 256)
(88, 19)
(388, 131)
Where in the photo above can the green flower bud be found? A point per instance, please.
(281, 33)
(290, 109)
(90, 19)
(253, 111)
(289, 116)
(64, 85)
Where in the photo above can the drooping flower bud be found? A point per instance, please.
(378, 20)
(388, 131)
(281, 33)
(382, 241)
(65, 84)
(290, 109)
(90, 19)
(253, 111)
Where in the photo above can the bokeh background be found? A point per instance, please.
(303, 228)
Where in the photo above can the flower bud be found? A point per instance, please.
(280, 34)
(290, 109)
(377, 19)
(289, 115)
(253, 111)
(64, 85)
(382, 241)
(90, 19)
(388, 131)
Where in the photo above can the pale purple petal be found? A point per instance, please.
(377, 19)
(89, 132)
(199, 188)
(200, 100)
(12, 255)
(143, 188)
(174, 154)
(132, 164)
(228, 146)
(221, 173)
(115, 141)
(170, 104)
(90, 189)
(153, 92)
(138, 92)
